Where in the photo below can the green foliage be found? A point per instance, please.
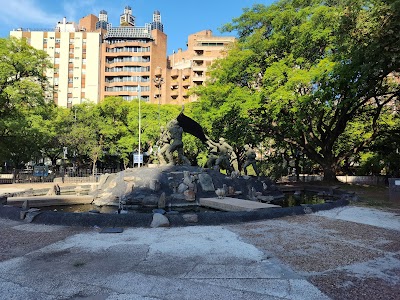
(111, 129)
(315, 76)
(24, 109)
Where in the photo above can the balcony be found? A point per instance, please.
(186, 73)
(198, 81)
(174, 72)
(198, 58)
(198, 74)
(200, 68)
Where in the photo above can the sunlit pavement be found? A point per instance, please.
(317, 256)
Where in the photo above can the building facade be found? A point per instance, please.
(128, 61)
(75, 76)
(132, 57)
(189, 68)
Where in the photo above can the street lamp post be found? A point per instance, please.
(158, 80)
(139, 124)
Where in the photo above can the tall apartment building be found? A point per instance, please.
(75, 76)
(93, 60)
(132, 56)
(189, 68)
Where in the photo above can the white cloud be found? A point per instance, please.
(77, 9)
(25, 13)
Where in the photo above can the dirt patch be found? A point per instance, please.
(345, 260)
(19, 242)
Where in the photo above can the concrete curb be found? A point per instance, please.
(144, 219)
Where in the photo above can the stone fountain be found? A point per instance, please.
(178, 185)
(173, 182)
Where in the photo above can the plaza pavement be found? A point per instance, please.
(345, 253)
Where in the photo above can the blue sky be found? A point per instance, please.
(180, 17)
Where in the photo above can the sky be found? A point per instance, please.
(180, 17)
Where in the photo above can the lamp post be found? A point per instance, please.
(158, 80)
(139, 124)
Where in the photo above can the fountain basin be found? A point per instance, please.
(43, 201)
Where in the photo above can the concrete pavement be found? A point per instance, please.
(299, 257)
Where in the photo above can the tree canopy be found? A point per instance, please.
(314, 75)
(23, 104)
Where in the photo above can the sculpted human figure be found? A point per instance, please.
(226, 155)
(163, 144)
(250, 159)
(175, 132)
(212, 154)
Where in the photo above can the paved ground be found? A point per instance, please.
(317, 256)
(345, 253)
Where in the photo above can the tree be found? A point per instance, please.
(58, 122)
(23, 105)
(84, 136)
(120, 125)
(384, 153)
(311, 70)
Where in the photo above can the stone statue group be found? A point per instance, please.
(169, 142)
(221, 154)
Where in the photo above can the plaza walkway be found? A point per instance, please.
(345, 253)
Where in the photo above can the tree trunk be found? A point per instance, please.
(94, 166)
(297, 167)
(329, 172)
(328, 164)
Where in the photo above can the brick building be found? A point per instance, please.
(93, 60)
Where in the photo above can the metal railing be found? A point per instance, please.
(67, 175)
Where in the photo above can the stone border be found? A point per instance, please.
(176, 220)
